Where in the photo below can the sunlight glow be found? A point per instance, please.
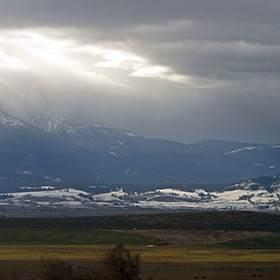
(117, 59)
(136, 66)
(48, 49)
(97, 62)
(161, 73)
(152, 71)
(12, 63)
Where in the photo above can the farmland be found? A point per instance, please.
(180, 262)
(166, 253)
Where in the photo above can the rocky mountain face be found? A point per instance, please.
(53, 150)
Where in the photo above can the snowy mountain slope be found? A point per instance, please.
(8, 121)
(113, 141)
(29, 155)
(58, 124)
(51, 146)
(236, 197)
(145, 161)
(54, 124)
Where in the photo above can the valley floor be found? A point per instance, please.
(160, 262)
(218, 245)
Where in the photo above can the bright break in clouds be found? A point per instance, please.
(181, 70)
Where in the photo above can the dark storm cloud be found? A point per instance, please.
(183, 70)
(107, 12)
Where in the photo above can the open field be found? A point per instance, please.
(249, 221)
(213, 271)
(236, 250)
(168, 271)
(217, 238)
(73, 237)
(228, 238)
(161, 254)
(161, 262)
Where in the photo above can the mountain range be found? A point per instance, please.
(52, 150)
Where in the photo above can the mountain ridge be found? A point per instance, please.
(51, 146)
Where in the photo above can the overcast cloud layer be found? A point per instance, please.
(181, 70)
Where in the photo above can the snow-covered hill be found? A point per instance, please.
(248, 195)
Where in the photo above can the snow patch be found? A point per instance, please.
(7, 120)
(243, 149)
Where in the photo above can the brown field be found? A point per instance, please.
(161, 262)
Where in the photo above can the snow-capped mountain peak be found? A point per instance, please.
(7, 120)
(54, 123)
(61, 125)
(112, 141)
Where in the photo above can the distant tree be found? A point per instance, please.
(121, 265)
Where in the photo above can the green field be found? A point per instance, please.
(73, 237)
(239, 221)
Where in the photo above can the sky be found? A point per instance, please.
(183, 70)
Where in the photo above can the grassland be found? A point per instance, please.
(162, 262)
(236, 251)
(249, 221)
(73, 237)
